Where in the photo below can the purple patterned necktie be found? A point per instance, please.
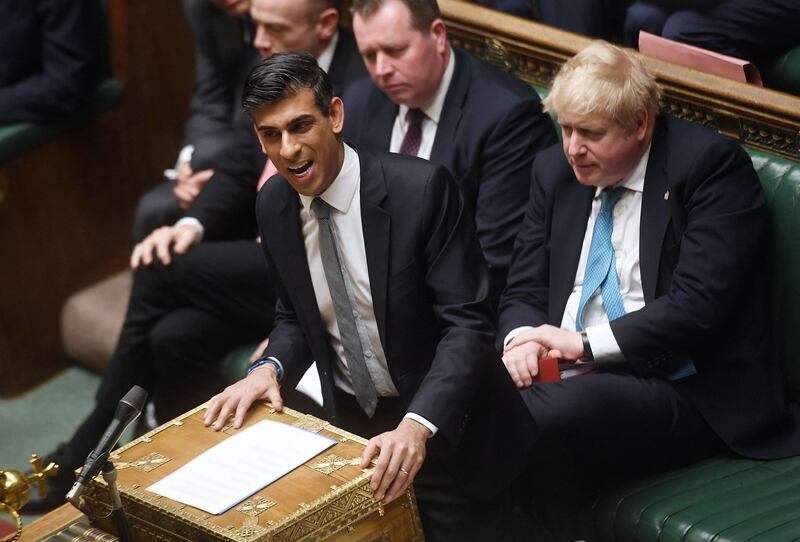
(413, 137)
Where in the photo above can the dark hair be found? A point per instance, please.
(282, 75)
(423, 12)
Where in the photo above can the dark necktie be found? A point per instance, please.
(413, 137)
(344, 307)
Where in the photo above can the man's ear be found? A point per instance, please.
(642, 125)
(336, 115)
(327, 24)
(439, 32)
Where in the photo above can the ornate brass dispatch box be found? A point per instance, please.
(327, 498)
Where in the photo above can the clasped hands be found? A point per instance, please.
(521, 354)
(401, 452)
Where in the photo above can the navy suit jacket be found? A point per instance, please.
(429, 288)
(225, 205)
(52, 54)
(703, 260)
(491, 128)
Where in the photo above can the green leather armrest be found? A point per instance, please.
(15, 139)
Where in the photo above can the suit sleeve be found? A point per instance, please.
(525, 299)
(504, 182)
(724, 210)
(225, 206)
(71, 63)
(212, 97)
(456, 275)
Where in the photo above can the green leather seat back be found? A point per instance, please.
(15, 139)
(783, 72)
(780, 178)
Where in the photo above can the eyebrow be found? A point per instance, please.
(291, 123)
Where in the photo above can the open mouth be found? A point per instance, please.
(302, 170)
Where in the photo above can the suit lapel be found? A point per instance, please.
(571, 209)
(442, 151)
(655, 211)
(295, 274)
(376, 224)
(378, 125)
(344, 68)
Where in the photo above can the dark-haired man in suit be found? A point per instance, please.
(201, 287)
(643, 249)
(381, 281)
(483, 125)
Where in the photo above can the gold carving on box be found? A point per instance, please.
(147, 463)
(228, 426)
(310, 423)
(332, 462)
(253, 507)
(249, 531)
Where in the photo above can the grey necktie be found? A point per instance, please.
(345, 310)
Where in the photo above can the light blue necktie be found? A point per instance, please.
(601, 271)
(601, 265)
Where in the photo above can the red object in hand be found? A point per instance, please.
(548, 371)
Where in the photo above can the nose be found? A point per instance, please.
(383, 65)
(262, 41)
(575, 144)
(290, 147)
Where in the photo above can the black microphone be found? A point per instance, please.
(128, 410)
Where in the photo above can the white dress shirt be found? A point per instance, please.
(625, 240)
(343, 196)
(430, 121)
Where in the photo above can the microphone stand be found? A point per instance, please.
(117, 513)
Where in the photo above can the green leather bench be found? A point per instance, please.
(16, 139)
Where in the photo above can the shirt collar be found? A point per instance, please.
(434, 110)
(635, 179)
(341, 192)
(326, 57)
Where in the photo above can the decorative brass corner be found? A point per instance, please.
(147, 463)
(254, 507)
(310, 423)
(332, 462)
(250, 530)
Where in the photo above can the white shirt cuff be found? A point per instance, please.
(423, 421)
(604, 344)
(514, 332)
(193, 222)
(185, 155)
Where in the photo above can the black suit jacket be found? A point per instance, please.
(703, 260)
(490, 130)
(225, 205)
(223, 56)
(429, 288)
(52, 54)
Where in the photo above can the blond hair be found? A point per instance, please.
(606, 79)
